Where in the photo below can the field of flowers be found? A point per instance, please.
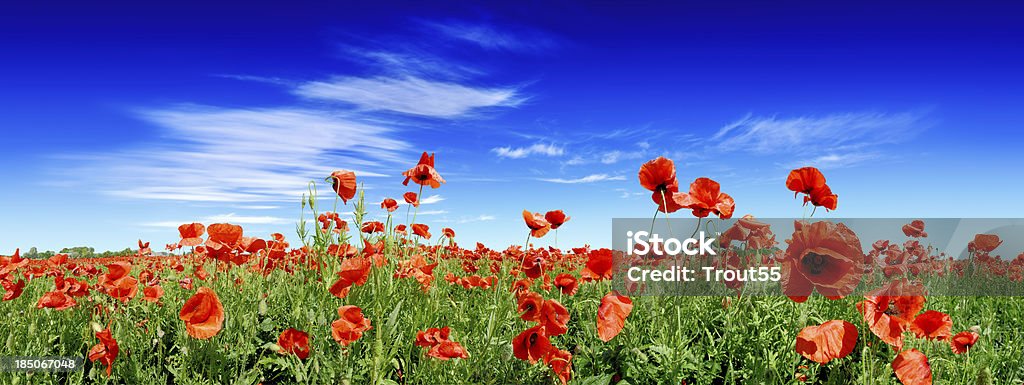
(354, 301)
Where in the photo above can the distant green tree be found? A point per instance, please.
(79, 252)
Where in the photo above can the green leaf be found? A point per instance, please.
(603, 379)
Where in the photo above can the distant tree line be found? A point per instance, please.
(75, 252)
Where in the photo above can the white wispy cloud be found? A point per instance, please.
(224, 218)
(242, 155)
(587, 179)
(462, 220)
(615, 156)
(479, 218)
(835, 160)
(522, 152)
(410, 95)
(431, 199)
(432, 212)
(771, 135)
(519, 39)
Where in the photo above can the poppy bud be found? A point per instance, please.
(975, 329)
(275, 348)
(96, 327)
(263, 307)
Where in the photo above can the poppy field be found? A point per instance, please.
(349, 300)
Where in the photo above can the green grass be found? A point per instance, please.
(666, 339)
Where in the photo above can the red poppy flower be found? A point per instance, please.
(554, 317)
(12, 290)
(350, 325)
(421, 230)
(411, 198)
(424, 173)
(823, 197)
(822, 255)
(106, 351)
(532, 345)
(933, 325)
(389, 204)
(446, 350)
(804, 180)
(448, 232)
(963, 341)
(224, 234)
(566, 283)
(294, 342)
(152, 293)
(373, 227)
(888, 316)
(417, 268)
(537, 224)
(191, 234)
(986, 242)
(823, 343)
(611, 315)
(344, 184)
(659, 175)
(203, 314)
(530, 305)
(401, 229)
(354, 271)
(599, 265)
(117, 283)
(915, 229)
(556, 218)
(912, 368)
(706, 198)
(521, 287)
(560, 362)
(57, 300)
(756, 234)
(432, 336)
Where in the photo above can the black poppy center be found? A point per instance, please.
(892, 310)
(814, 263)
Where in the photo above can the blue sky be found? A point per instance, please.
(120, 122)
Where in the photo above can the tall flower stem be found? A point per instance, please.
(655, 217)
(664, 206)
(417, 208)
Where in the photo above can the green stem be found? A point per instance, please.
(655, 217)
(664, 205)
(696, 229)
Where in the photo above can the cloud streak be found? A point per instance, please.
(587, 179)
(771, 135)
(409, 95)
(243, 155)
(519, 39)
(522, 152)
